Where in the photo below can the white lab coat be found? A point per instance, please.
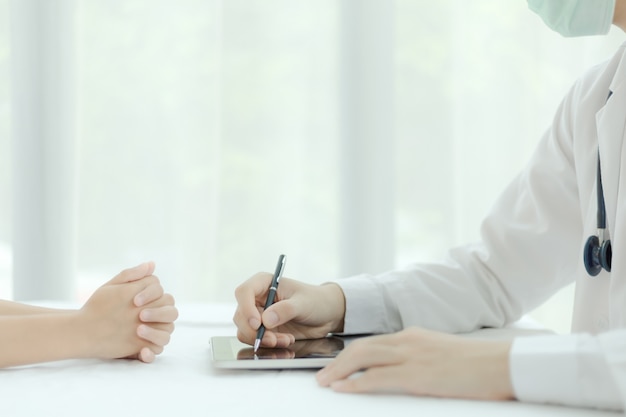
(531, 246)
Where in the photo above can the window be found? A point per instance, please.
(210, 136)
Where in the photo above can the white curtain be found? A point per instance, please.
(212, 135)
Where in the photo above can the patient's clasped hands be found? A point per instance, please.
(129, 317)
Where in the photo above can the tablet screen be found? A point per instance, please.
(228, 352)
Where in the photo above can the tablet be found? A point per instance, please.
(230, 353)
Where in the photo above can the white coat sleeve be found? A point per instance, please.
(529, 249)
(577, 370)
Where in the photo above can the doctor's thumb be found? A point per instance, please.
(270, 318)
(279, 313)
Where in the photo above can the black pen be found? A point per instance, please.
(270, 297)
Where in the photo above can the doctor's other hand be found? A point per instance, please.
(130, 316)
(424, 363)
(300, 311)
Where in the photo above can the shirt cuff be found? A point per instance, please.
(365, 312)
(562, 369)
(544, 369)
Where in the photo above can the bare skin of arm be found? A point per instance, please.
(11, 308)
(129, 316)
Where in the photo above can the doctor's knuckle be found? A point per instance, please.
(358, 347)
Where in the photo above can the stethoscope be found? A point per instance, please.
(598, 253)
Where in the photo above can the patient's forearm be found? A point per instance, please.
(8, 308)
(33, 338)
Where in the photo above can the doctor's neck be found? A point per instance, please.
(619, 17)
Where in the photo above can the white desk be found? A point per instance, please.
(181, 382)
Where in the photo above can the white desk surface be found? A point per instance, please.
(182, 382)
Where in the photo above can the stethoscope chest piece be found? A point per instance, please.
(597, 256)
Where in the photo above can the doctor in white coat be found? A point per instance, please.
(546, 230)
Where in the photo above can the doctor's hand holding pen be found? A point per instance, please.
(301, 311)
(412, 361)
(128, 317)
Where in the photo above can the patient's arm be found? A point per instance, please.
(32, 338)
(11, 308)
(107, 326)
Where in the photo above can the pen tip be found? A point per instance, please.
(256, 345)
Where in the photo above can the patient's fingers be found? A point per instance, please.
(133, 274)
(146, 355)
(152, 292)
(151, 334)
(165, 314)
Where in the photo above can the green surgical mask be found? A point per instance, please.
(575, 17)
